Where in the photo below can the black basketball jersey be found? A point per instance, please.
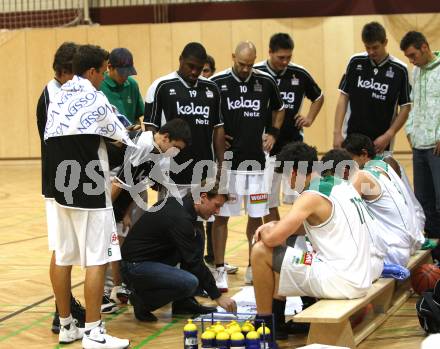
(247, 110)
(43, 104)
(294, 84)
(375, 91)
(171, 97)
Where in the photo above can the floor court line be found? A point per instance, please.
(30, 306)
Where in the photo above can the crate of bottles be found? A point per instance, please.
(228, 331)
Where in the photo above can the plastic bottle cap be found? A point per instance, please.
(264, 330)
(237, 336)
(222, 336)
(253, 335)
(190, 327)
(247, 327)
(208, 335)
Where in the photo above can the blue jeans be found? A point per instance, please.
(158, 284)
(426, 168)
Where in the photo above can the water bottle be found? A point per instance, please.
(208, 340)
(222, 340)
(233, 327)
(238, 341)
(253, 340)
(247, 327)
(218, 327)
(190, 336)
(265, 337)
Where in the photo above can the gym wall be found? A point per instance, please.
(323, 45)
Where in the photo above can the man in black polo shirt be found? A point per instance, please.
(186, 95)
(374, 84)
(295, 83)
(253, 113)
(160, 240)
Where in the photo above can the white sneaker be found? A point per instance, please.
(119, 295)
(248, 276)
(231, 269)
(221, 279)
(70, 333)
(96, 338)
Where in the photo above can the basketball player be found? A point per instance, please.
(62, 65)
(78, 118)
(253, 112)
(184, 94)
(370, 90)
(209, 67)
(330, 209)
(340, 164)
(383, 198)
(295, 83)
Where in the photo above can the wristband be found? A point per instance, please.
(273, 131)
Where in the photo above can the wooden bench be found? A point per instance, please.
(330, 319)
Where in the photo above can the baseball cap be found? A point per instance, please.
(122, 60)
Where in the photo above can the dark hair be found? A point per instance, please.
(355, 143)
(295, 152)
(62, 61)
(195, 50)
(336, 156)
(373, 32)
(178, 130)
(88, 56)
(211, 62)
(281, 41)
(213, 191)
(413, 38)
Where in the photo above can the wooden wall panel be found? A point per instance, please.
(429, 25)
(338, 47)
(39, 72)
(216, 36)
(249, 31)
(161, 46)
(308, 37)
(182, 34)
(105, 36)
(273, 26)
(322, 45)
(75, 34)
(137, 39)
(13, 97)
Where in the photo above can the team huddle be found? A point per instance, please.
(212, 144)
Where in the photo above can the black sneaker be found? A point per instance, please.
(56, 322)
(190, 306)
(107, 306)
(78, 313)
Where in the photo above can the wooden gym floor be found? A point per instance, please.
(26, 302)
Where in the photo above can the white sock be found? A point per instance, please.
(64, 321)
(91, 325)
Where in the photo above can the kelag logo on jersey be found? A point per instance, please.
(375, 86)
(288, 98)
(197, 110)
(242, 103)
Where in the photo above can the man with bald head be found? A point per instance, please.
(253, 114)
